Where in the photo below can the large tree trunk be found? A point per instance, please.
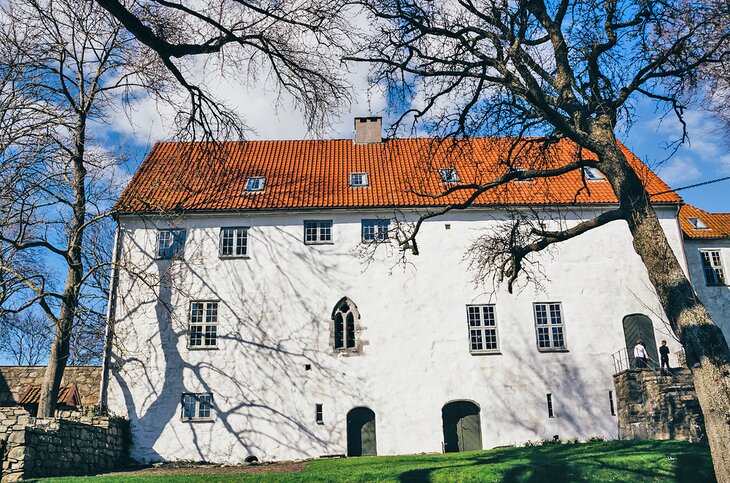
(707, 351)
(69, 305)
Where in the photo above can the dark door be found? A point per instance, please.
(462, 427)
(361, 432)
(639, 326)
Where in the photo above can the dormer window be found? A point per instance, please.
(449, 175)
(358, 180)
(255, 183)
(523, 180)
(698, 224)
(592, 174)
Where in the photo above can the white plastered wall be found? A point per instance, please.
(275, 310)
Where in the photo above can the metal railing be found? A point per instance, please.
(621, 362)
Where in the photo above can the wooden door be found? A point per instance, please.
(462, 427)
(361, 437)
(639, 326)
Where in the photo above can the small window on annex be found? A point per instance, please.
(170, 243)
(712, 266)
(234, 242)
(197, 406)
(317, 231)
(203, 331)
(358, 180)
(549, 326)
(482, 329)
(523, 180)
(256, 183)
(592, 174)
(698, 224)
(345, 318)
(449, 175)
(375, 230)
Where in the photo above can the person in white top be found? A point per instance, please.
(640, 355)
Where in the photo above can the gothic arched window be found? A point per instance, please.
(345, 318)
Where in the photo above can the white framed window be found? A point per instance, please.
(234, 242)
(549, 326)
(482, 322)
(592, 174)
(317, 231)
(524, 180)
(358, 180)
(712, 266)
(375, 230)
(449, 175)
(256, 183)
(170, 243)
(203, 331)
(698, 224)
(196, 406)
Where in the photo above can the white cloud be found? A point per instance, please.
(679, 170)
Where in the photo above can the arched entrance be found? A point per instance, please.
(639, 326)
(361, 432)
(462, 427)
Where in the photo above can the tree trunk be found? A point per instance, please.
(706, 350)
(69, 304)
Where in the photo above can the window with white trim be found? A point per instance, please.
(482, 329)
(592, 174)
(698, 224)
(549, 326)
(196, 406)
(523, 180)
(234, 242)
(203, 325)
(358, 180)
(170, 243)
(256, 183)
(317, 231)
(712, 266)
(375, 230)
(449, 175)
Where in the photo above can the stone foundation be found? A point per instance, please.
(654, 406)
(78, 445)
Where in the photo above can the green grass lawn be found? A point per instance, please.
(629, 461)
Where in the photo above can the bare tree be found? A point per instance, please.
(25, 338)
(65, 64)
(567, 69)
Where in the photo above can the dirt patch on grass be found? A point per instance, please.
(191, 469)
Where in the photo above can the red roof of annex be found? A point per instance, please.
(315, 174)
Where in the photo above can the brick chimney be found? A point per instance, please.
(368, 130)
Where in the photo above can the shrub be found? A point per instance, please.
(595, 439)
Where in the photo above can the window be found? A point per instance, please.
(523, 180)
(549, 326)
(196, 406)
(203, 324)
(256, 183)
(317, 231)
(358, 179)
(234, 242)
(712, 266)
(344, 317)
(482, 329)
(698, 224)
(375, 230)
(170, 243)
(449, 175)
(592, 174)
(318, 413)
(610, 402)
(550, 406)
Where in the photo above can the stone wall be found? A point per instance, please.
(53, 446)
(15, 379)
(655, 406)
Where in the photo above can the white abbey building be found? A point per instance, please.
(262, 309)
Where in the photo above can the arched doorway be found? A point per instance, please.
(462, 427)
(361, 432)
(639, 326)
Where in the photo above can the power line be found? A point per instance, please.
(692, 186)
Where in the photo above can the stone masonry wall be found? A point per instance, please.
(655, 406)
(53, 446)
(16, 379)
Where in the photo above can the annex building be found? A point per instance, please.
(261, 307)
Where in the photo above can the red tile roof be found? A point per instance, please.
(67, 395)
(315, 174)
(718, 224)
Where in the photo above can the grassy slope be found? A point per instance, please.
(610, 461)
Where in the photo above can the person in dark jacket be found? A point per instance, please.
(664, 355)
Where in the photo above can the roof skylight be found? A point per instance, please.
(358, 180)
(255, 183)
(449, 175)
(698, 224)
